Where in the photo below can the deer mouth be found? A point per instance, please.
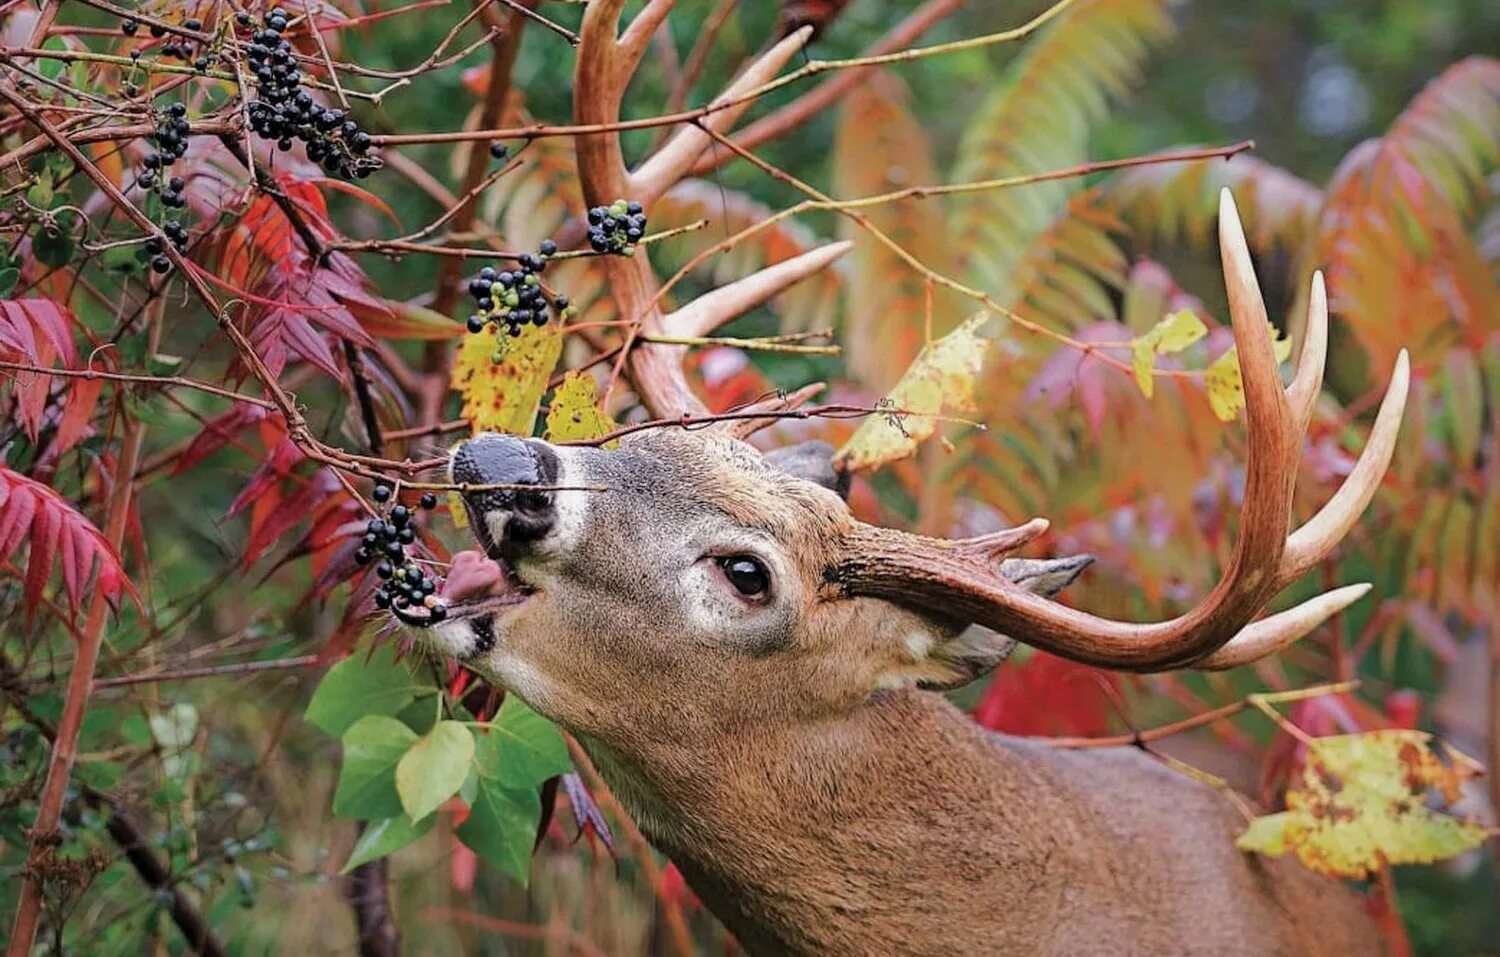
(475, 586)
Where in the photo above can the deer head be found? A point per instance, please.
(639, 587)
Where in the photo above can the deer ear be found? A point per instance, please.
(975, 651)
(812, 461)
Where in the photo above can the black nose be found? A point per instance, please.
(517, 515)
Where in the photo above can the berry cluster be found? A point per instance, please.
(514, 298)
(403, 584)
(155, 251)
(176, 46)
(616, 227)
(171, 139)
(285, 112)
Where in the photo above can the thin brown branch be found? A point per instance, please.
(156, 380)
(209, 671)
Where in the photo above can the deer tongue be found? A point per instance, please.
(472, 576)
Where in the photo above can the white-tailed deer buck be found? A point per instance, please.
(754, 671)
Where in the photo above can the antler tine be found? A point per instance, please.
(1308, 381)
(656, 368)
(717, 307)
(961, 581)
(1309, 544)
(1271, 634)
(670, 163)
(637, 36)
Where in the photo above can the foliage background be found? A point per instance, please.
(245, 809)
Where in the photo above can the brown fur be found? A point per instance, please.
(817, 801)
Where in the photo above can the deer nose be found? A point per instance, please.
(513, 515)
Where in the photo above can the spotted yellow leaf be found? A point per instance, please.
(1362, 802)
(1226, 392)
(503, 396)
(941, 379)
(1173, 334)
(575, 414)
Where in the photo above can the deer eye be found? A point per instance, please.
(748, 576)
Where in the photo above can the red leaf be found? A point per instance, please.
(15, 519)
(1047, 695)
(45, 316)
(219, 432)
(277, 466)
(288, 514)
(36, 332)
(83, 396)
(31, 511)
(45, 529)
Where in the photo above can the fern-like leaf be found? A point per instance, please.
(880, 148)
(1040, 119)
(1179, 202)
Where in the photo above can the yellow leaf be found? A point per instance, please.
(1226, 392)
(456, 510)
(503, 396)
(1178, 331)
(1361, 803)
(940, 378)
(1143, 361)
(575, 413)
(1173, 334)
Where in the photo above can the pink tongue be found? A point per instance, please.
(470, 575)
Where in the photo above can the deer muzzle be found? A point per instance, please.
(507, 491)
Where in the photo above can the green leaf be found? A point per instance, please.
(373, 747)
(356, 687)
(501, 827)
(41, 192)
(434, 768)
(125, 258)
(385, 837)
(9, 276)
(52, 246)
(522, 748)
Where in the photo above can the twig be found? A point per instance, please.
(209, 671)
(159, 380)
(1262, 701)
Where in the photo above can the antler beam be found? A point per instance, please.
(606, 61)
(962, 580)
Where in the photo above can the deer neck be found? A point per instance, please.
(803, 836)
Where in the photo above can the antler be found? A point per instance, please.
(606, 61)
(962, 580)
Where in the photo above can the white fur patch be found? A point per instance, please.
(569, 506)
(452, 638)
(919, 644)
(516, 674)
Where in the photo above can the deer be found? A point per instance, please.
(758, 676)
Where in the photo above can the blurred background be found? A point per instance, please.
(1377, 144)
